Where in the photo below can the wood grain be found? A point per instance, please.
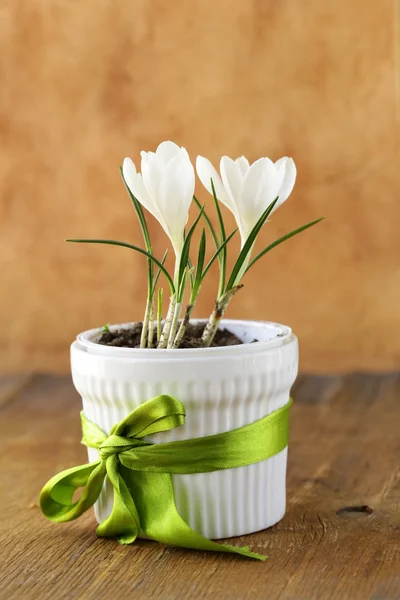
(84, 84)
(340, 538)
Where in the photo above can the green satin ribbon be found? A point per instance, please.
(140, 472)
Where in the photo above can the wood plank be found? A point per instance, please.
(11, 385)
(339, 539)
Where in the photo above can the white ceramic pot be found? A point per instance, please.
(221, 389)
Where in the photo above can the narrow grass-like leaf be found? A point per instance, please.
(248, 245)
(222, 256)
(181, 289)
(200, 260)
(131, 247)
(159, 312)
(208, 221)
(282, 239)
(146, 236)
(220, 218)
(191, 273)
(218, 251)
(157, 275)
(140, 214)
(160, 301)
(186, 247)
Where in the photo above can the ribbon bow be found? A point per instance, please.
(140, 472)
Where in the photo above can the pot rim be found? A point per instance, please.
(280, 335)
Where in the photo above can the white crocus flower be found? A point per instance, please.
(247, 190)
(165, 187)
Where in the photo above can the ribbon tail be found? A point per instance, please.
(153, 494)
(56, 496)
(123, 522)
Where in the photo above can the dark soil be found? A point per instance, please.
(130, 338)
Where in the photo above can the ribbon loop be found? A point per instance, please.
(161, 413)
(56, 496)
(140, 472)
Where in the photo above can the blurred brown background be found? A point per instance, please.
(84, 84)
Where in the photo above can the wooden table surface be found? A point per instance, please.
(340, 538)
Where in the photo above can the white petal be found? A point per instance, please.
(260, 187)
(166, 151)
(152, 173)
(128, 167)
(288, 180)
(135, 183)
(145, 155)
(175, 196)
(206, 171)
(232, 180)
(280, 168)
(243, 164)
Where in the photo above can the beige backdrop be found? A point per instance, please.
(84, 84)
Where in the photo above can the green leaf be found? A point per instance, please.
(181, 289)
(159, 312)
(196, 283)
(190, 266)
(106, 328)
(223, 254)
(146, 236)
(131, 247)
(248, 245)
(140, 214)
(186, 247)
(220, 218)
(191, 270)
(160, 301)
(208, 221)
(201, 255)
(218, 251)
(282, 239)
(158, 274)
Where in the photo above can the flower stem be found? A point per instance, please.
(183, 326)
(151, 325)
(215, 318)
(174, 324)
(143, 337)
(167, 325)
